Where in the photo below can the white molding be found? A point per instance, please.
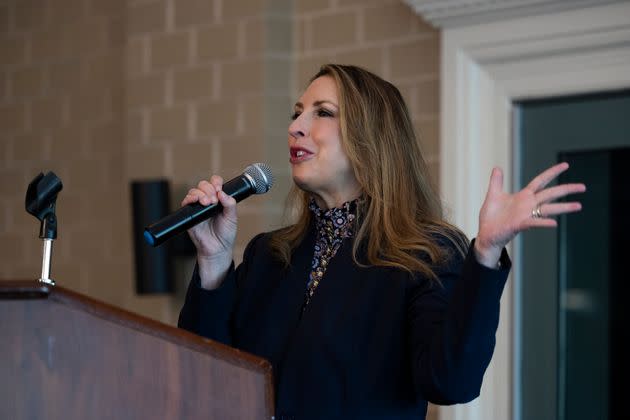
(457, 13)
(484, 69)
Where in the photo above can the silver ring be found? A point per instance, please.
(536, 213)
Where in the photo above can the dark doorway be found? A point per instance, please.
(570, 318)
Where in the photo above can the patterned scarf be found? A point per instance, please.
(333, 226)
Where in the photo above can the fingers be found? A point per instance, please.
(545, 196)
(217, 182)
(227, 201)
(209, 193)
(559, 191)
(496, 181)
(548, 210)
(543, 223)
(229, 205)
(193, 196)
(205, 193)
(544, 178)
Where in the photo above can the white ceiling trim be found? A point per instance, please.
(458, 13)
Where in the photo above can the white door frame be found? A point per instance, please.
(484, 69)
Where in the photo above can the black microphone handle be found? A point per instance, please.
(194, 213)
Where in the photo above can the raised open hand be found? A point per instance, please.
(504, 215)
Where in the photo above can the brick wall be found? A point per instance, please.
(104, 92)
(204, 82)
(60, 109)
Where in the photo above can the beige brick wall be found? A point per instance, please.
(60, 110)
(200, 84)
(104, 92)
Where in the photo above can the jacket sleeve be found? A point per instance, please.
(453, 327)
(209, 312)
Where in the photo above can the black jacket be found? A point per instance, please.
(374, 343)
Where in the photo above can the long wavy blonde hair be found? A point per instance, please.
(399, 216)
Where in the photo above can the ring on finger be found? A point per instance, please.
(536, 212)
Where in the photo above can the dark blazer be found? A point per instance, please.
(374, 343)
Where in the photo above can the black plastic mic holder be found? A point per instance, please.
(40, 201)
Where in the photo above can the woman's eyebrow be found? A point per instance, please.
(316, 103)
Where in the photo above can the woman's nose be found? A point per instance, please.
(298, 128)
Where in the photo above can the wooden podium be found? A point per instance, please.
(67, 356)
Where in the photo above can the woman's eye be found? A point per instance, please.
(324, 113)
(295, 115)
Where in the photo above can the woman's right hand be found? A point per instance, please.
(215, 238)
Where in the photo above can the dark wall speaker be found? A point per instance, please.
(154, 266)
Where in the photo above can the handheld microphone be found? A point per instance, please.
(255, 179)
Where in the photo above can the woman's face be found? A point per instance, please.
(318, 161)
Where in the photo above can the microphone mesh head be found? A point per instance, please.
(262, 176)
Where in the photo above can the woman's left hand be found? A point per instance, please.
(504, 215)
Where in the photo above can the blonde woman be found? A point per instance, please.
(370, 304)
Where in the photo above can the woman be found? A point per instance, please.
(370, 305)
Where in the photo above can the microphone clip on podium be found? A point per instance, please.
(41, 198)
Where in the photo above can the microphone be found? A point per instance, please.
(255, 179)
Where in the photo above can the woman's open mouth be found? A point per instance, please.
(298, 154)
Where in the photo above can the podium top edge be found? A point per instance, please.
(23, 289)
(34, 290)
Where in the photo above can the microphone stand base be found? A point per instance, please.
(49, 282)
